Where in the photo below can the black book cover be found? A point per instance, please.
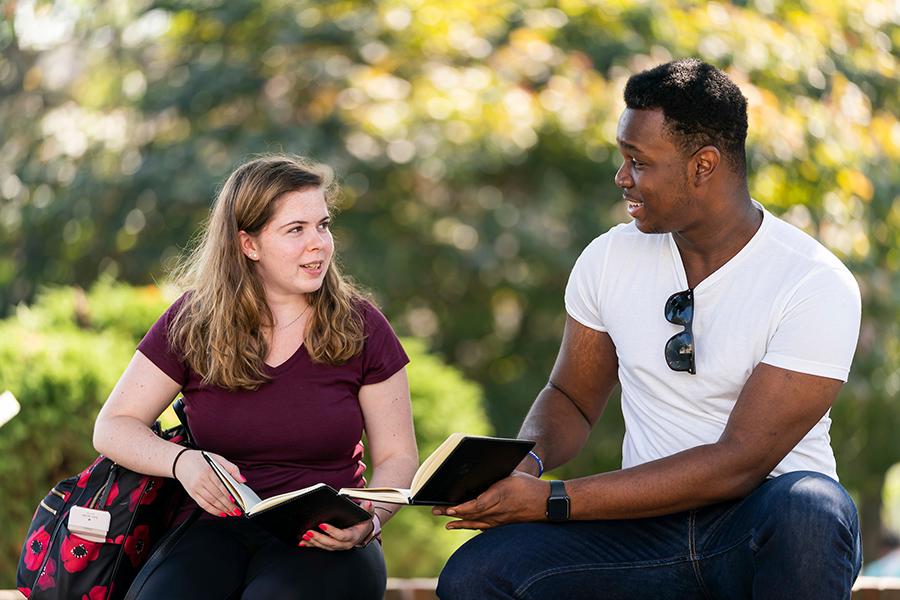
(472, 467)
(291, 519)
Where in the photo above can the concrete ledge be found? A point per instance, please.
(408, 589)
(877, 588)
(865, 588)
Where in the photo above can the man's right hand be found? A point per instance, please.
(204, 486)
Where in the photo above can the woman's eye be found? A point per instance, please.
(324, 226)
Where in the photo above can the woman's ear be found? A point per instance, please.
(248, 245)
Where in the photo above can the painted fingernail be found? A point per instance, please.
(230, 497)
(236, 512)
(323, 526)
(307, 536)
(302, 544)
(222, 515)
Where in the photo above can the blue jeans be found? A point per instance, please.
(796, 536)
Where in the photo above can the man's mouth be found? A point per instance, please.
(633, 205)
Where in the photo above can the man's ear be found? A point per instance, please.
(248, 245)
(704, 164)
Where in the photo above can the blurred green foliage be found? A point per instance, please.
(62, 356)
(475, 140)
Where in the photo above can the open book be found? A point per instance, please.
(287, 516)
(459, 469)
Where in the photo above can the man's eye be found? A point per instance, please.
(637, 164)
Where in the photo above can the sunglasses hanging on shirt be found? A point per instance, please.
(679, 310)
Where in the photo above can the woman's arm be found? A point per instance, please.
(387, 412)
(122, 432)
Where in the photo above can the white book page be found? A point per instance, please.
(246, 497)
(434, 460)
(262, 505)
(392, 495)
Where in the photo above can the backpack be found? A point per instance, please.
(57, 564)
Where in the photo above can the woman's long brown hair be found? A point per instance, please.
(218, 329)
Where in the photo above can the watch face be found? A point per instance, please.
(558, 509)
(558, 502)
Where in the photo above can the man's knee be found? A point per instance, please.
(812, 506)
(482, 568)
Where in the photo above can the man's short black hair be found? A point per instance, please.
(701, 105)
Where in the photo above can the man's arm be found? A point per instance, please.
(564, 412)
(775, 409)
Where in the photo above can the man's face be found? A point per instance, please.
(653, 176)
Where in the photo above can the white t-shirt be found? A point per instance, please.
(784, 300)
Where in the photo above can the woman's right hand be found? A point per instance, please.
(202, 484)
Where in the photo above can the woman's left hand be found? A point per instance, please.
(329, 537)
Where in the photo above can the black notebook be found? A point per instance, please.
(287, 516)
(459, 469)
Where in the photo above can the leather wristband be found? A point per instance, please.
(175, 462)
(376, 530)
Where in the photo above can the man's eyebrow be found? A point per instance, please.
(627, 145)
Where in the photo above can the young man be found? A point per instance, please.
(731, 333)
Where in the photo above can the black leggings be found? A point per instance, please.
(229, 559)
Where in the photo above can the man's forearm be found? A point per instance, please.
(689, 479)
(557, 425)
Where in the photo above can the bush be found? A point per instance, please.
(62, 356)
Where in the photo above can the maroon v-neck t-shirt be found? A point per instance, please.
(301, 428)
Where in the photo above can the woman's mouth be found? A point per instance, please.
(313, 268)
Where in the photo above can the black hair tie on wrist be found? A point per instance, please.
(175, 462)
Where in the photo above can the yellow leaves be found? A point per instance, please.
(856, 183)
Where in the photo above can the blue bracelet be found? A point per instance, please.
(537, 459)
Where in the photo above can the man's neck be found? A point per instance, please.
(715, 241)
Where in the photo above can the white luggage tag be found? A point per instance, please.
(88, 523)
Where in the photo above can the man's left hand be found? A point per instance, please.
(518, 498)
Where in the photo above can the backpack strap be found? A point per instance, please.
(163, 548)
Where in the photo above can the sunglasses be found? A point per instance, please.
(680, 347)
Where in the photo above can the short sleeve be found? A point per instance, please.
(383, 355)
(818, 331)
(585, 283)
(156, 347)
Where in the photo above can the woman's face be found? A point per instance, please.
(293, 250)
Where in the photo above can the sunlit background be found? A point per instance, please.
(475, 144)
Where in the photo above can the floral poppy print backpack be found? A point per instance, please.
(117, 516)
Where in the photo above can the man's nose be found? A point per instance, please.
(623, 176)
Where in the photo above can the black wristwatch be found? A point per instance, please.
(558, 502)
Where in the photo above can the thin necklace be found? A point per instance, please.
(297, 318)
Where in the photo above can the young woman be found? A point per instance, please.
(283, 366)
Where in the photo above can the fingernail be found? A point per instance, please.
(323, 526)
(302, 544)
(230, 497)
(243, 479)
(307, 536)
(236, 512)
(451, 511)
(222, 515)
